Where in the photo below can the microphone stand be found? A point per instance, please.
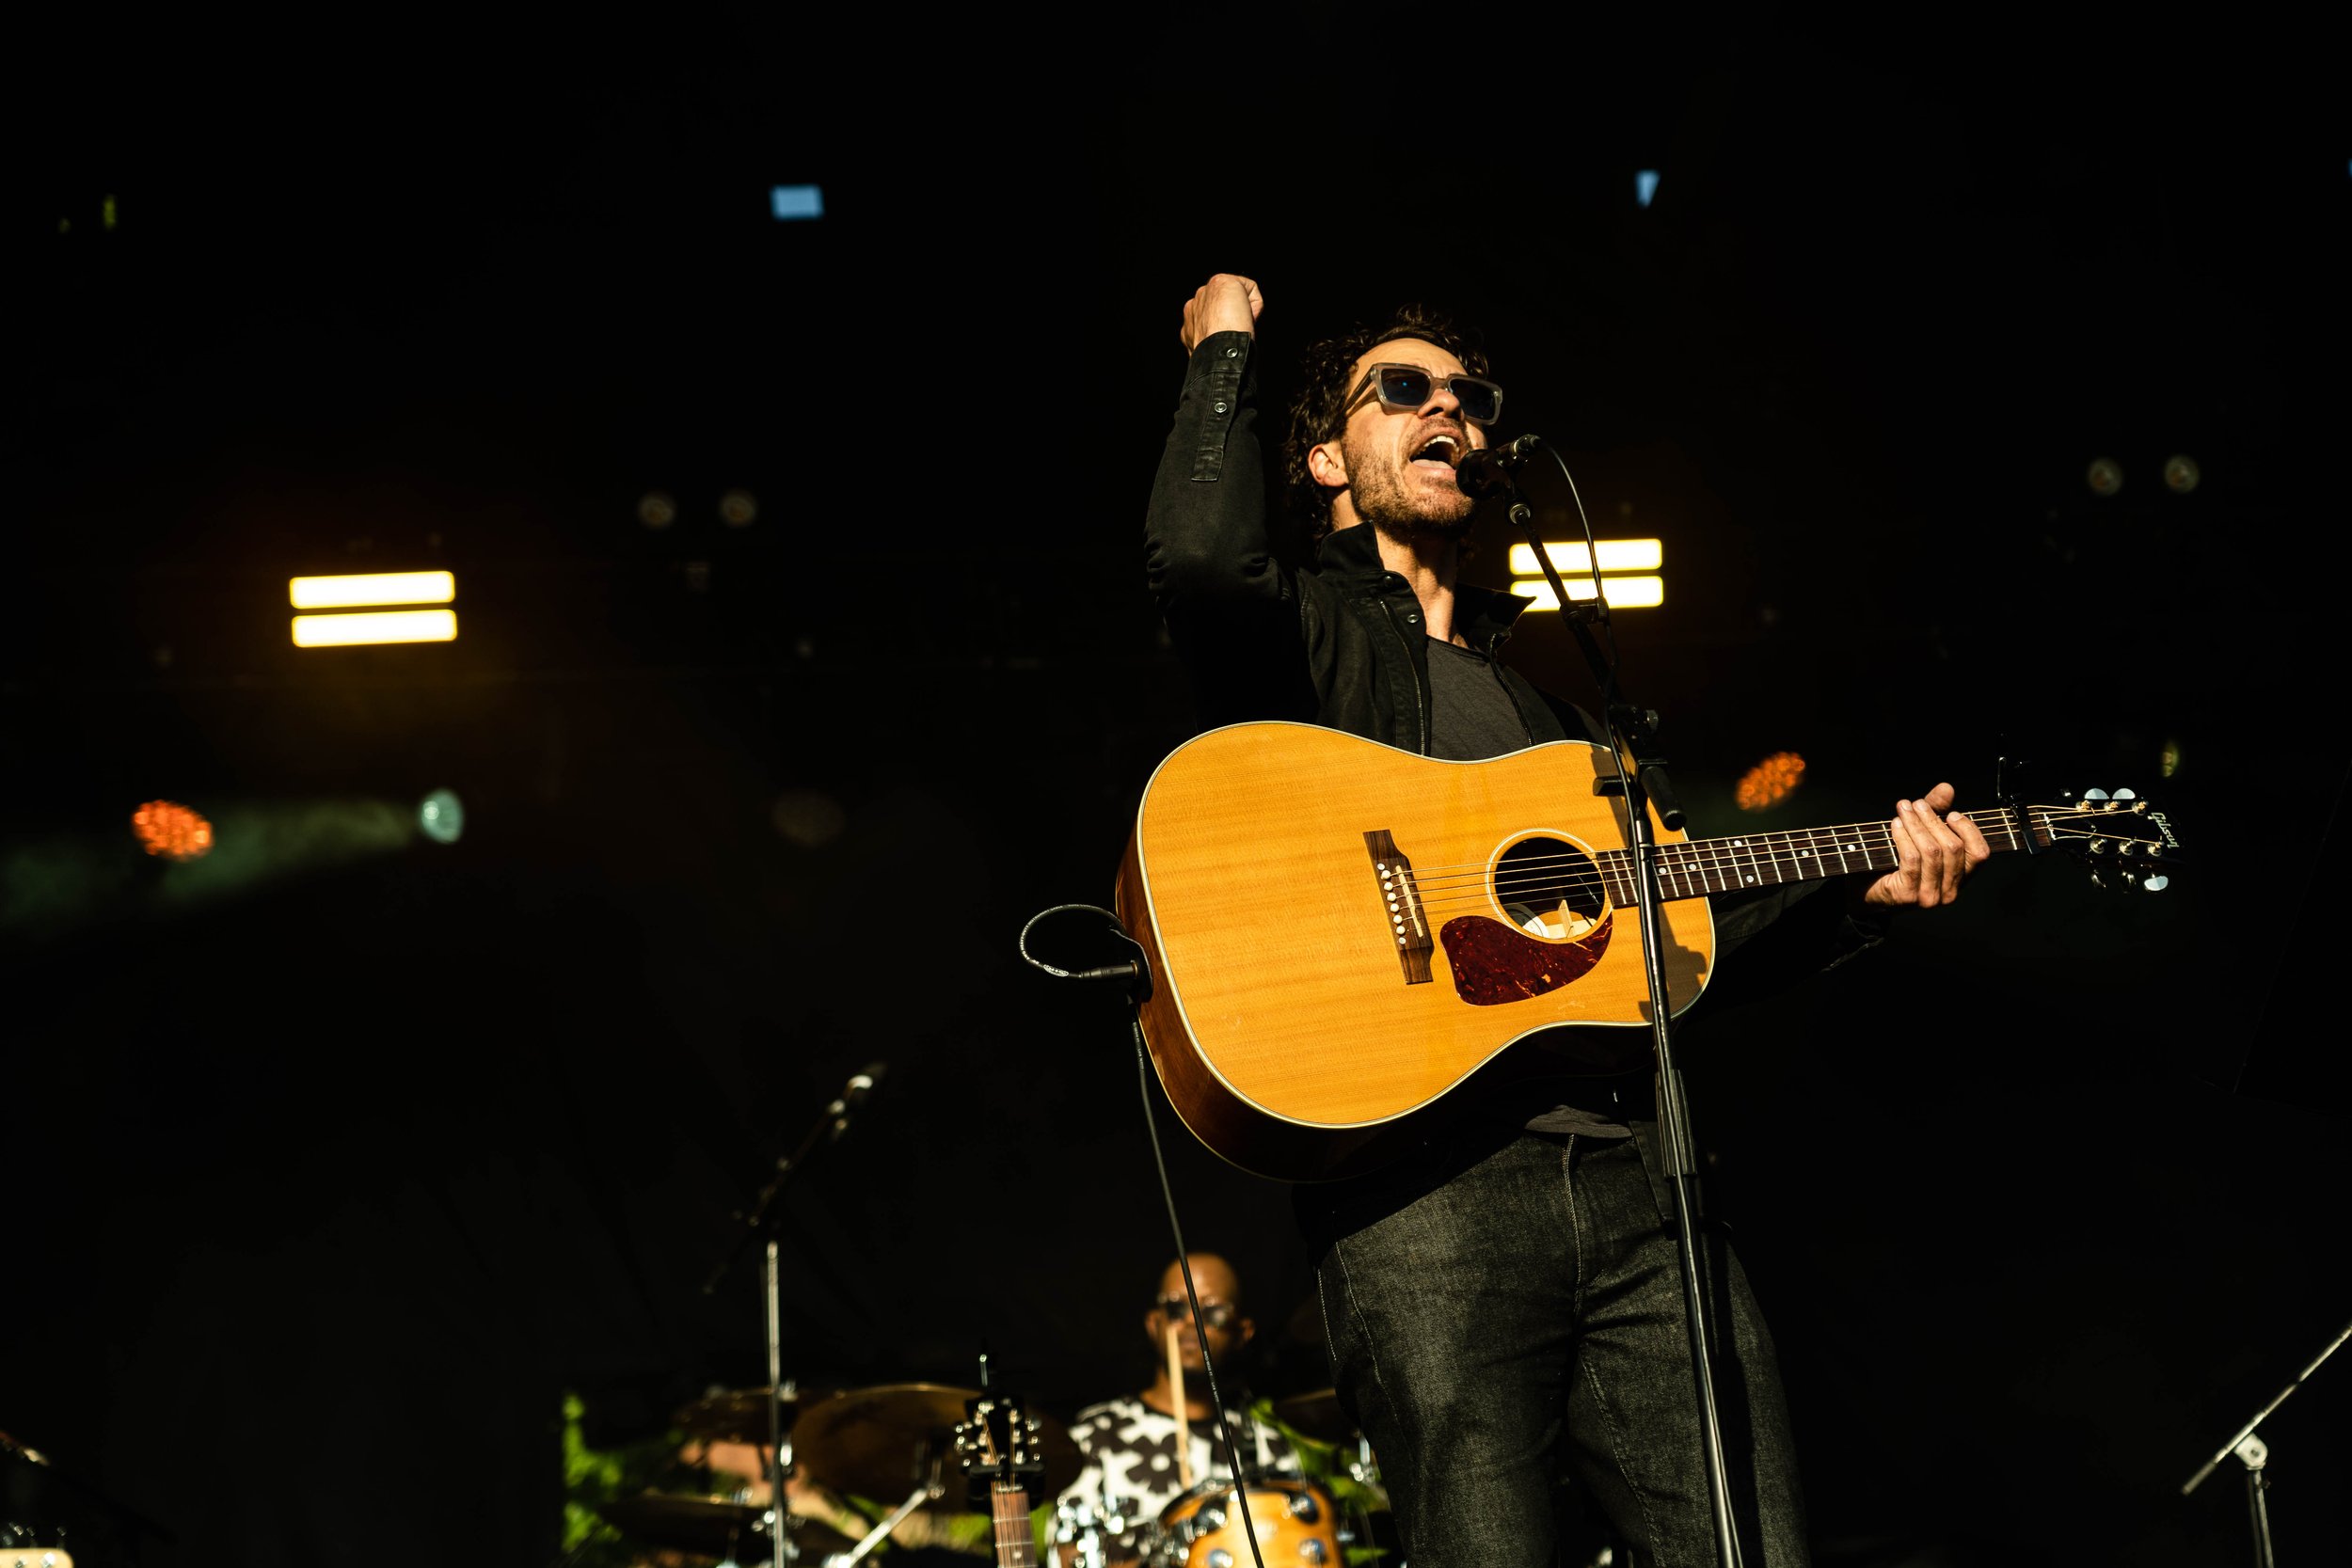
(2252, 1452)
(1642, 781)
(760, 1224)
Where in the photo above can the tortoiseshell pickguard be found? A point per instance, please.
(1494, 963)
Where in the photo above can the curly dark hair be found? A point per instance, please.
(1324, 385)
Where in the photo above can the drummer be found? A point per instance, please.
(1134, 1464)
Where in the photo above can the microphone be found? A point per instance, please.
(854, 1094)
(1487, 469)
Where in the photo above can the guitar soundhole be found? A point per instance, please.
(1550, 889)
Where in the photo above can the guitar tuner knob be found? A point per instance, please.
(2098, 846)
(2156, 883)
(2124, 794)
(2126, 847)
(2094, 794)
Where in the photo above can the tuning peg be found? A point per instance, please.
(2094, 794)
(2098, 846)
(2097, 880)
(2156, 883)
(2124, 794)
(2126, 847)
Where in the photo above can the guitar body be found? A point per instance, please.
(1341, 933)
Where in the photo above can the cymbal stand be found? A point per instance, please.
(931, 1488)
(2252, 1452)
(1642, 780)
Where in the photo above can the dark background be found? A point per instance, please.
(340, 1156)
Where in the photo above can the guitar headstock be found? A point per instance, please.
(2121, 837)
(999, 1444)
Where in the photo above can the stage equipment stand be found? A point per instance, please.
(2252, 1452)
(759, 1223)
(1642, 781)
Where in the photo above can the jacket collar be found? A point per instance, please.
(1352, 555)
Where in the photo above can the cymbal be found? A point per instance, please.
(1317, 1414)
(880, 1443)
(741, 1415)
(711, 1526)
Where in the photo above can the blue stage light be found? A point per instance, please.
(788, 203)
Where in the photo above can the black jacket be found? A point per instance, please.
(1343, 646)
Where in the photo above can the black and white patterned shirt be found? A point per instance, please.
(1131, 1470)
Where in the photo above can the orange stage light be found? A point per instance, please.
(170, 830)
(1771, 782)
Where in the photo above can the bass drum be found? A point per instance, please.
(1297, 1527)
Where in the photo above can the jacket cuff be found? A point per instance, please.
(1214, 391)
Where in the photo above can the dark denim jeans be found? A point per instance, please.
(1505, 1315)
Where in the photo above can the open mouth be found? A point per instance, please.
(1441, 451)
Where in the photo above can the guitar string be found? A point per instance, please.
(1724, 852)
(1778, 848)
(2046, 817)
(1611, 868)
(1616, 893)
(1683, 860)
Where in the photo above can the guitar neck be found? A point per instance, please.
(1699, 867)
(1016, 1541)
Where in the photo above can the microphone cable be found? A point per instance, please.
(1136, 971)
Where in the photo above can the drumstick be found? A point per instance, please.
(1184, 1429)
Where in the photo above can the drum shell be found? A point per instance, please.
(1297, 1527)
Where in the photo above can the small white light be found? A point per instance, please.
(442, 817)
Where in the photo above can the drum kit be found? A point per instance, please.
(880, 1463)
(857, 1468)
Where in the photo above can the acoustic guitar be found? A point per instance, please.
(1341, 934)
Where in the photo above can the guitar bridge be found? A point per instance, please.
(1409, 926)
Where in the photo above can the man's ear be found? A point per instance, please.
(1249, 1331)
(1327, 466)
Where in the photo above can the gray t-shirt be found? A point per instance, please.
(1472, 717)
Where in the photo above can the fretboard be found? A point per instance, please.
(1701, 866)
(1016, 1543)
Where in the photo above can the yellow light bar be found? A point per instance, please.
(380, 625)
(371, 588)
(1627, 593)
(1616, 555)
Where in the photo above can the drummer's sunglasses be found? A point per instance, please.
(1217, 1314)
(1411, 387)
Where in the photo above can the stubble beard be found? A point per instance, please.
(1409, 517)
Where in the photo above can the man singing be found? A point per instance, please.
(1504, 1309)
